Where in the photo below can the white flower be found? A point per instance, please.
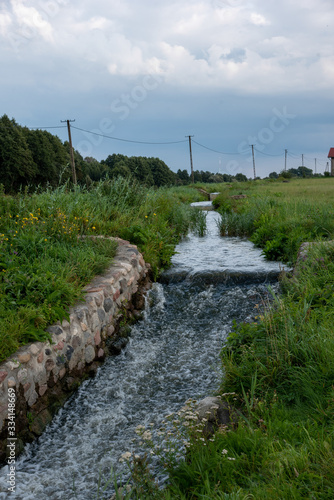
(230, 458)
(224, 452)
(147, 436)
(125, 456)
(139, 429)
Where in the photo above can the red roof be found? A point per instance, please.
(331, 153)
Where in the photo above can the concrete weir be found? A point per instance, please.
(42, 376)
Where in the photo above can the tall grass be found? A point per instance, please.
(279, 217)
(278, 370)
(44, 264)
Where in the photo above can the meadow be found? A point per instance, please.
(45, 262)
(278, 371)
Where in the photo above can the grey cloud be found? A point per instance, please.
(237, 55)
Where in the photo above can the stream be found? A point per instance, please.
(172, 355)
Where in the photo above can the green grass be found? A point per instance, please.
(278, 216)
(279, 370)
(44, 262)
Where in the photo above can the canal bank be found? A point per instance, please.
(42, 376)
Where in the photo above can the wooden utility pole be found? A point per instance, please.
(286, 154)
(252, 146)
(191, 159)
(315, 165)
(74, 175)
(302, 160)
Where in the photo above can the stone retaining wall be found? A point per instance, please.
(44, 375)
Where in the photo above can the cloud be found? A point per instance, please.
(214, 58)
(218, 44)
(31, 20)
(259, 20)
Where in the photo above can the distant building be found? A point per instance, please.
(331, 156)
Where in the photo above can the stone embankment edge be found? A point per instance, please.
(44, 375)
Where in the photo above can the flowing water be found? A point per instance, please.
(172, 355)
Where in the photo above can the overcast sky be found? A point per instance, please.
(229, 72)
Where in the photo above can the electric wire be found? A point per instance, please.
(267, 154)
(289, 154)
(45, 128)
(126, 140)
(214, 150)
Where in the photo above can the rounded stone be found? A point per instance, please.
(89, 354)
(11, 382)
(22, 375)
(24, 358)
(34, 349)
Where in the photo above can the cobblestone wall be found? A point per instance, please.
(43, 375)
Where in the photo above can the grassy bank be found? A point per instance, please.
(279, 216)
(44, 264)
(278, 371)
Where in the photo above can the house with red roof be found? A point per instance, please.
(331, 156)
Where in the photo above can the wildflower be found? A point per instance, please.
(125, 456)
(224, 452)
(147, 435)
(230, 458)
(93, 227)
(139, 428)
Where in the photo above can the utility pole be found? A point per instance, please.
(302, 160)
(191, 159)
(74, 175)
(315, 165)
(286, 154)
(252, 146)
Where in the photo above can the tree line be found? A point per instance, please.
(38, 158)
(301, 172)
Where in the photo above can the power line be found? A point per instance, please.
(293, 155)
(287, 154)
(267, 154)
(214, 150)
(45, 128)
(126, 140)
